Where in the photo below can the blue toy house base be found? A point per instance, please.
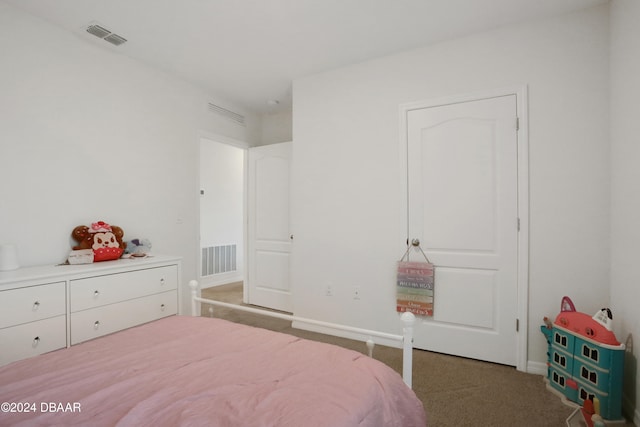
(585, 363)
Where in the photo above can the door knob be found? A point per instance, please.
(415, 242)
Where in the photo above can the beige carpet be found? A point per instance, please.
(455, 391)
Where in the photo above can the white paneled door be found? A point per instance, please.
(268, 235)
(463, 207)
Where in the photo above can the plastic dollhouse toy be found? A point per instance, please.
(585, 360)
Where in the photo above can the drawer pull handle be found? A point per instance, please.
(36, 305)
(36, 341)
(96, 325)
(162, 307)
(96, 294)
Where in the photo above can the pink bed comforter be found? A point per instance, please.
(195, 371)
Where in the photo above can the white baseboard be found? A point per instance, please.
(220, 279)
(538, 368)
(344, 334)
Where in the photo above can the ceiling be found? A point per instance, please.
(247, 52)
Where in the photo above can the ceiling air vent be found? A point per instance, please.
(101, 32)
(115, 39)
(238, 118)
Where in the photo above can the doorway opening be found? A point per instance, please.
(222, 212)
(244, 220)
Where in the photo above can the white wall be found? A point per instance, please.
(88, 134)
(222, 204)
(276, 127)
(346, 177)
(625, 200)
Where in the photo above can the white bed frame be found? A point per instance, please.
(406, 339)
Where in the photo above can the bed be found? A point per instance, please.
(197, 371)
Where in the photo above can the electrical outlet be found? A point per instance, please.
(328, 291)
(356, 292)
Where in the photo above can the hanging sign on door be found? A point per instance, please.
(414, 291)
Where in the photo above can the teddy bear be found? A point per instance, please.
(105, 240)
(138, 247)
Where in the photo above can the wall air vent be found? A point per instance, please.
(218, 259)
(238, 118)
(101, 32)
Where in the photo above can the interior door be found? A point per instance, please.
(268, 236)
(462, 206)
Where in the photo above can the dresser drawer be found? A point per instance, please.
(31, 339)
(23, 305)
(89, 324)
(103, 290)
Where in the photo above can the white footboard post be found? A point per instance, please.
(408, 320)
(193, 284)
(370, 346)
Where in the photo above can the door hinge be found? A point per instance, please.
(517, 123)
(517, 325)
(518, 223)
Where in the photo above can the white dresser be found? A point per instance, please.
(45, 308)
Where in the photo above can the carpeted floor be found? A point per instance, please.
(455, 391)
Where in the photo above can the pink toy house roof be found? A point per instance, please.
(582, 324)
